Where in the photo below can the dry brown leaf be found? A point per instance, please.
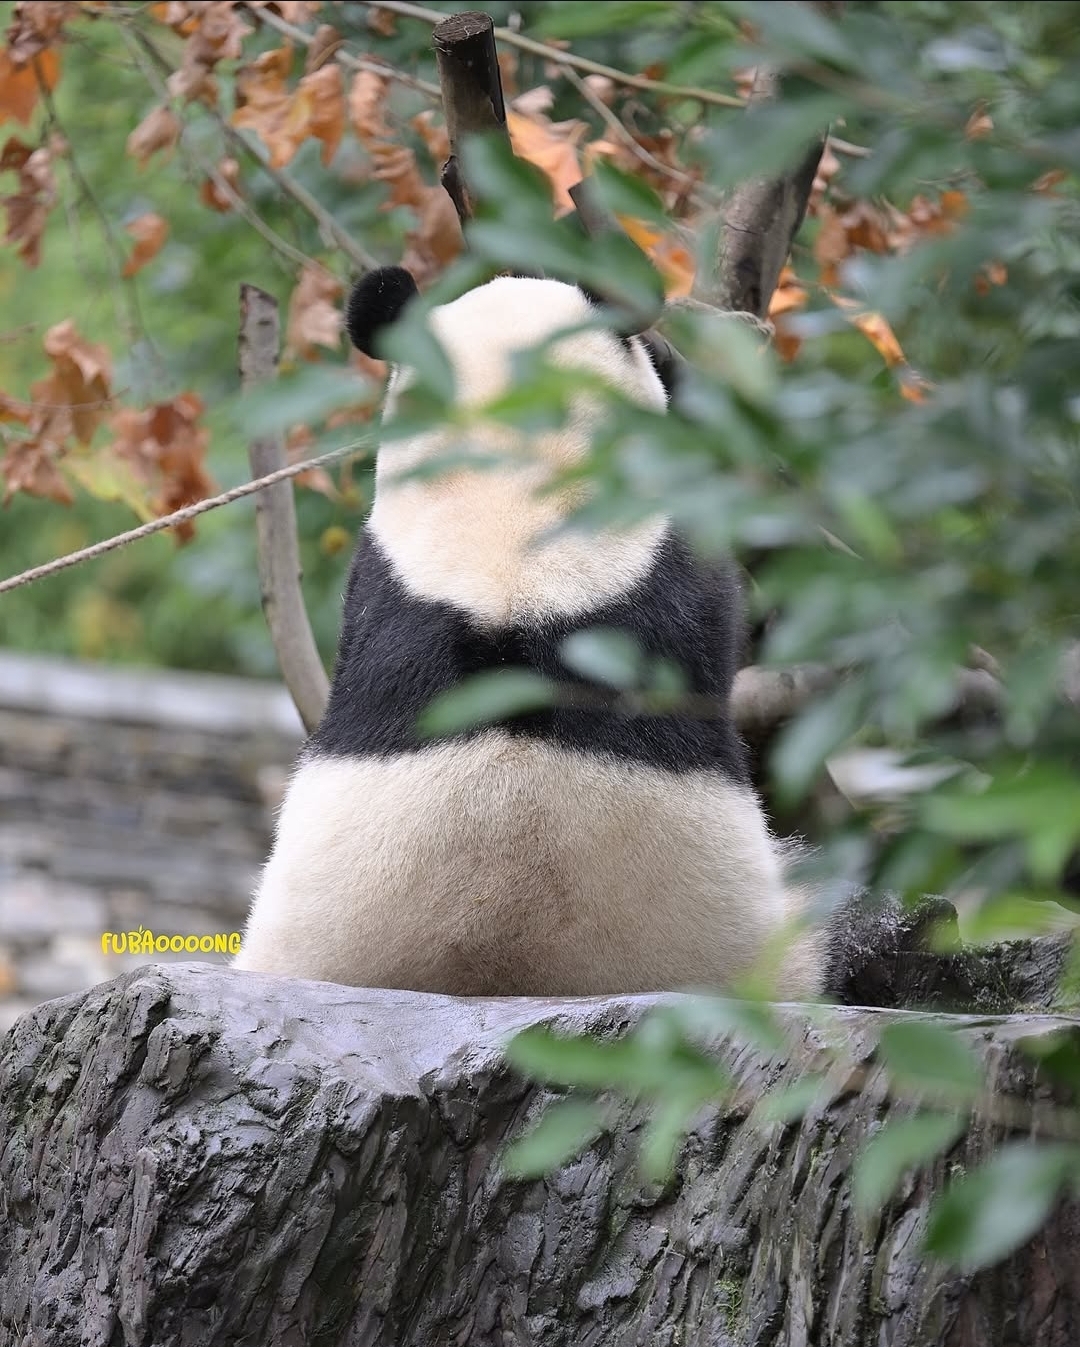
(284, 118)
(159, 130)
(314, 318)
(79, 380)
(877, 331)
(789, 295)
(166, 447)
(30, 465)
(381, 21)
(20, 85)
(367, 99)
(299, 444)
(1046, 182)
(392, 163)
(322, 95)
(36, 26)
(979, 124)
(210, 194)
(324, 44)
(149, 232)
(292, 11)
(989, 275)
(434, 135)
(35, 194)
(437, 238)
(216, 32)
(71, 401)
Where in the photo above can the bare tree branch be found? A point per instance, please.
(472, 94)
(275, 522)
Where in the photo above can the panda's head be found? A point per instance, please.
(482, 330)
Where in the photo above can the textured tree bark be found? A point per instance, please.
(472, 96)
(192, 1157)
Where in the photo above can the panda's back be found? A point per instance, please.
(583, 847)
(399, 651)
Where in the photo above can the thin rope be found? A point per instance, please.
(177, 517)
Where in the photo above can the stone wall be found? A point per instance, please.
(127, 799)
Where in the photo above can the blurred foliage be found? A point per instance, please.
(904, 464)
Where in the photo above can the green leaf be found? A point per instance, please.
(573, 19)
(1042, 805)
(666, 1128)
(803, 746)
(791, 1101)
(623, 194)
(557, 1059)
(926, 1056)
(603, 655)
(309, 395)
(654, 1059)
(900, 1145)
(485, 698)
(746, 1021)
(987, 1214)
(566, 1128)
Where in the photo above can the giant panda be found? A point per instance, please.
(571, 851)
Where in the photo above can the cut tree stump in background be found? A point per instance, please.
(197, 1157)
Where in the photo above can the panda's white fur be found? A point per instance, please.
(534, 858)
(471, 538)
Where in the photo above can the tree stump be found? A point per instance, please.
(194, 1157)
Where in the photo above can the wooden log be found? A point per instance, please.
(201, 1156)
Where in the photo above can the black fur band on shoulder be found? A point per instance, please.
(377, 300)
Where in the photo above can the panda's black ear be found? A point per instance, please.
(376, 301)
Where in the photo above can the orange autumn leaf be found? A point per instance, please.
(20, 84)
(672, 259)
(881, 336)
(159, 130)
(437, 238)
(788, 298)
(551, 148)
(314, 318)
(292, 11)
(789, 295)
(149, 232)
